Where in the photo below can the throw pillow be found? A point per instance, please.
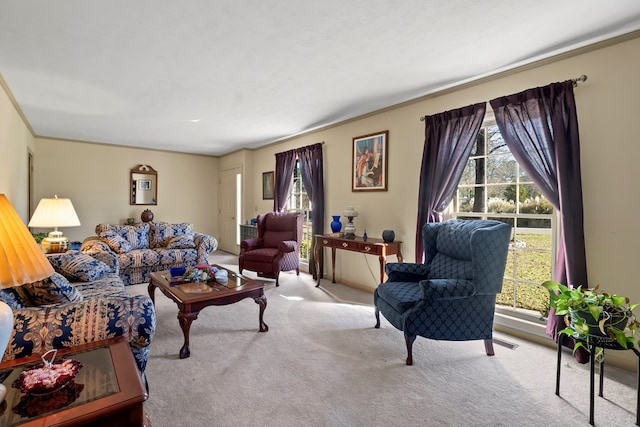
(75, 265)
(162, 231)
(52, 290)
(116, 242)
(137, 235)
(14, 299)
(184, 241)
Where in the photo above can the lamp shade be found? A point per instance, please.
(21, 259)
(54, 213)
(350, 212)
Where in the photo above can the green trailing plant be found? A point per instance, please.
(39, 236)
(591, 313)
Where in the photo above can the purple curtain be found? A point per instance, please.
(285, 163)
(449, 138)
(312, 172)
(540, 127)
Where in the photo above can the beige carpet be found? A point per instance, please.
(322, 363)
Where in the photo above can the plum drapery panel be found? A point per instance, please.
(449, 138)
(540, 127)
(312, 172)
(285, 163)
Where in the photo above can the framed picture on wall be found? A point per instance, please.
(144, 184)
(267, 185)
(369, 162)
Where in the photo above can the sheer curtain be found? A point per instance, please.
(285, 163)
(540, 127)
(312, 172)
(449, 138)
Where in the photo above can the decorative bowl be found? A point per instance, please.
(177, 271)
(48, 376)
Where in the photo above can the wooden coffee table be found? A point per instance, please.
(108, 390)
(193, 297)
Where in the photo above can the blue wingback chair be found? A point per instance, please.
(451, 296)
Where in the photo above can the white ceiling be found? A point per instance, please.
(210, 77)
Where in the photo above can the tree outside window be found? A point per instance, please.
(299, 202)
(493, 186)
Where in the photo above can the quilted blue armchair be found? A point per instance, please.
(451, 296)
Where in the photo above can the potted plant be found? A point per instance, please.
(594, 315)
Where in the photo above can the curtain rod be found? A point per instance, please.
(581, 79)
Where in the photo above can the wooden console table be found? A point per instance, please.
(371, 246)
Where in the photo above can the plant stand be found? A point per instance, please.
(605, 344)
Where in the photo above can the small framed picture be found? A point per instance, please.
(144, 184)
(267, 185)
(369, 162)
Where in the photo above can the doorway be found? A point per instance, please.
(230, 210)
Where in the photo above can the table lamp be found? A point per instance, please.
(349, 228)
(54, 213)
(21, 261)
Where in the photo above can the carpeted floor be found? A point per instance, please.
(322, 363)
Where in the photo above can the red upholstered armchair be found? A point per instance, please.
(277, 247)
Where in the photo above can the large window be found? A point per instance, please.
(299, 202)
(493, 186)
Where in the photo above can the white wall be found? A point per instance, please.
(15, 142)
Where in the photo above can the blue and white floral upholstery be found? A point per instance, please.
(452, 295)
(54, 313)
(154, 246)
(277, 247)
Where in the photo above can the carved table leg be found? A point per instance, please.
(185, 323)
(333, 265)
(316, 253)
(262, 302)
(152, 292)
(383, 262)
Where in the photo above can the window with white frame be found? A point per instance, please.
(299, 202)
(493, 186)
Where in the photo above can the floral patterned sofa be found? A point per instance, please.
(151, 246)
(83, 301)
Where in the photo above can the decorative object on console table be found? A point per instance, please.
(388, 236)
(54, 213)
(21, 261)
(146, 216)
(349, 228)
(336, 225)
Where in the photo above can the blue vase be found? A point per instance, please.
(336, 225)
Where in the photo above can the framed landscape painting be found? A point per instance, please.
(369, 162)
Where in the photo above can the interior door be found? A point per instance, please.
(229, 215)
